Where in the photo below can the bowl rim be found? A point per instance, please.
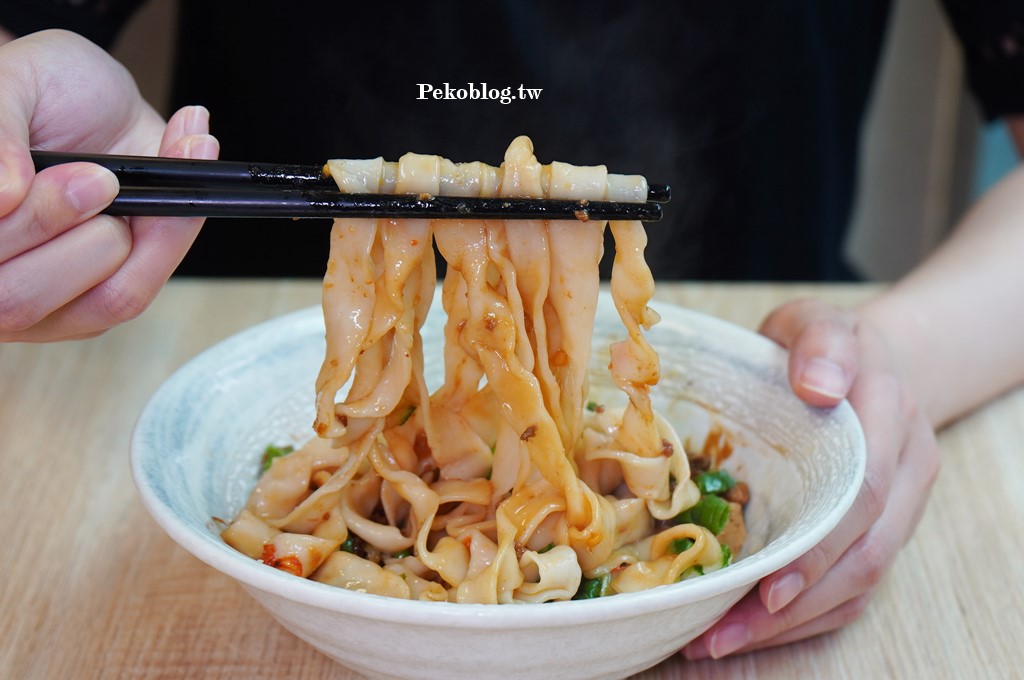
(254, 574)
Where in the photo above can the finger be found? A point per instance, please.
(823, 349)
(840, 595)
(876, 397)
(59, 198)
(186, 121)
(842, 615)
(60, 91)
(836, 618)
(44, 279)
(16, 168)
(871, 559)
(158, 245)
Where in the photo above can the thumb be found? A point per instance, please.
(823, 349)
(16, 168)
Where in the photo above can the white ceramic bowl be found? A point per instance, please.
(196, 447)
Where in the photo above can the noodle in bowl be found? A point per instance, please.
(195, 456)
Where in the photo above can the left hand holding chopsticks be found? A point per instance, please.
(66, 271)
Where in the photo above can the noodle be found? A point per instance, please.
(501, 486)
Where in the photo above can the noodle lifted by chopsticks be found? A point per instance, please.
(500, 486)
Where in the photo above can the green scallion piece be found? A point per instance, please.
(352, 544)
(591, 406)
(403, 553)
(593, 587)
(681, 545)
(710, 512)
(726, 555)
(690, 572)
(717, 481)
(546, 548)
(272, 452)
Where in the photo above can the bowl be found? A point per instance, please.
(196, 446)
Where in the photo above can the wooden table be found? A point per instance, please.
(92, 588)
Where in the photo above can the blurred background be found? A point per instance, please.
(926, 152)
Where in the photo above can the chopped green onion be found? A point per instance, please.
(272, 452)
(681, 545)
(546, 548)
(718, 481)
(353, 544)
(593, 587)
(726, 555)
(407, 415)
(591, 406)
(403, 553)
(690, 572)
(710, 512)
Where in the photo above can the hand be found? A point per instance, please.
(835, 354)
(66, 271)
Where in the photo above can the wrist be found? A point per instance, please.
(908, 336)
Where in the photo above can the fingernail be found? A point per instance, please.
(785, 591)
(91, 188)
(201, 147)
(728, 639)
(825, 377)
(196, 120)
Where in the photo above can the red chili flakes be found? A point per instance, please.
(490, 323)
(290, 564)
(560, 358)
(342, 418)
(666, 448)
(528, 433)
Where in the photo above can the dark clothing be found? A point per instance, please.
(753, 115)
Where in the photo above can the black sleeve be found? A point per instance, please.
(992, 33)
(97, 20)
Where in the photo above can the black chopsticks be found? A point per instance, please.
(197, 188)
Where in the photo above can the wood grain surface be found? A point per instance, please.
(92, 588)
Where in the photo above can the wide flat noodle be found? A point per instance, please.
(499, 486)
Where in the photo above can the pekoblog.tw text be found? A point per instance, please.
(478, 91)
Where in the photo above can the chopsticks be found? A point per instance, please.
(197, 188)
